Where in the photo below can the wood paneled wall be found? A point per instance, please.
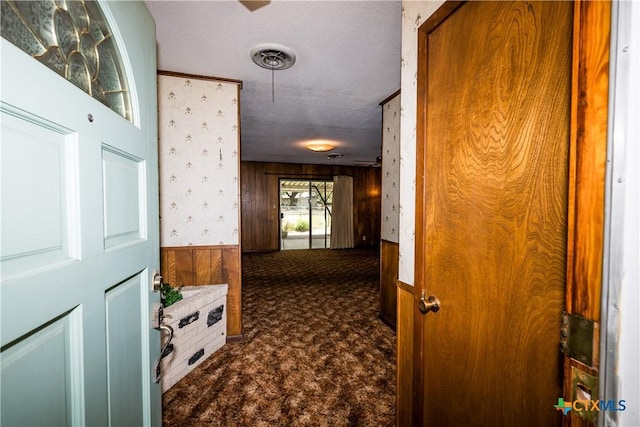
(388, 278)
(404, 337)
(208, 265)
(260, 200)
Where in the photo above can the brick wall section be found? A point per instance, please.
(199, 327)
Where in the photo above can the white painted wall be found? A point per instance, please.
(414, 13)
(624, 263)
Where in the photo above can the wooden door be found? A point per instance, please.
(493, 138)
(79, 215)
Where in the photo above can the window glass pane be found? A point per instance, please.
(73, 39)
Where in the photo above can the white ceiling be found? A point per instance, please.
(347, 62)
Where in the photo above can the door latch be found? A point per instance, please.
(157, 281)
(157, 314)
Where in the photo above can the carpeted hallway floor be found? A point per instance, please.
(314, 353)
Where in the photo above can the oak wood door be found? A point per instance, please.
(491, 218)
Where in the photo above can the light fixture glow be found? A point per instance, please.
(320, 146)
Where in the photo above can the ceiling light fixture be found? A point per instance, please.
(320, 146)
(273, 57)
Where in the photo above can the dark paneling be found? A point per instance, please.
(260, 200)
(404, 336)
(389, 252)
(207, 265)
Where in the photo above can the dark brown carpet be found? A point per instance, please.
(314, 353)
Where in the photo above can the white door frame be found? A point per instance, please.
(620, 332)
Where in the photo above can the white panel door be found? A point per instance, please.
(79, 238)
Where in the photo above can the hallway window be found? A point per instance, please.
(305, 214)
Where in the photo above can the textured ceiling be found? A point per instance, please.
(348, 61)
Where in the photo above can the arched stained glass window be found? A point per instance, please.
(73, 38)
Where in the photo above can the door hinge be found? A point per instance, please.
(576, 338)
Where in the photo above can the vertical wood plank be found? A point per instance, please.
(404, 334)
(217, 268)
(184, 268)
(164, 265)
(388, 277)
(203, 270)
(232, 276)
(168, 266)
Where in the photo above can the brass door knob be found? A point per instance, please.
(432, 303)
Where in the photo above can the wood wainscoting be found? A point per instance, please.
(206, 265)
(261, 200)
(404, 337)
(388, 277)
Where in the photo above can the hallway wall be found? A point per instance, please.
(199, 162)
(414, 14)
(260, 201)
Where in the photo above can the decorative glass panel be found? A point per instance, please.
(73, 38)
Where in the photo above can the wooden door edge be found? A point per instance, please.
(439, 16)
(587, 170)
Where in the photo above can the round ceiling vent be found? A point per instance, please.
(273, 56)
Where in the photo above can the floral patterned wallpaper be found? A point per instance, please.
(199, 161)
(391, 169)
(414, 13)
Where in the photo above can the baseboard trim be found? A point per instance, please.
(235, 338)
(387, 322)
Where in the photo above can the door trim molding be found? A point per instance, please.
(616, 203)
(587, 177)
